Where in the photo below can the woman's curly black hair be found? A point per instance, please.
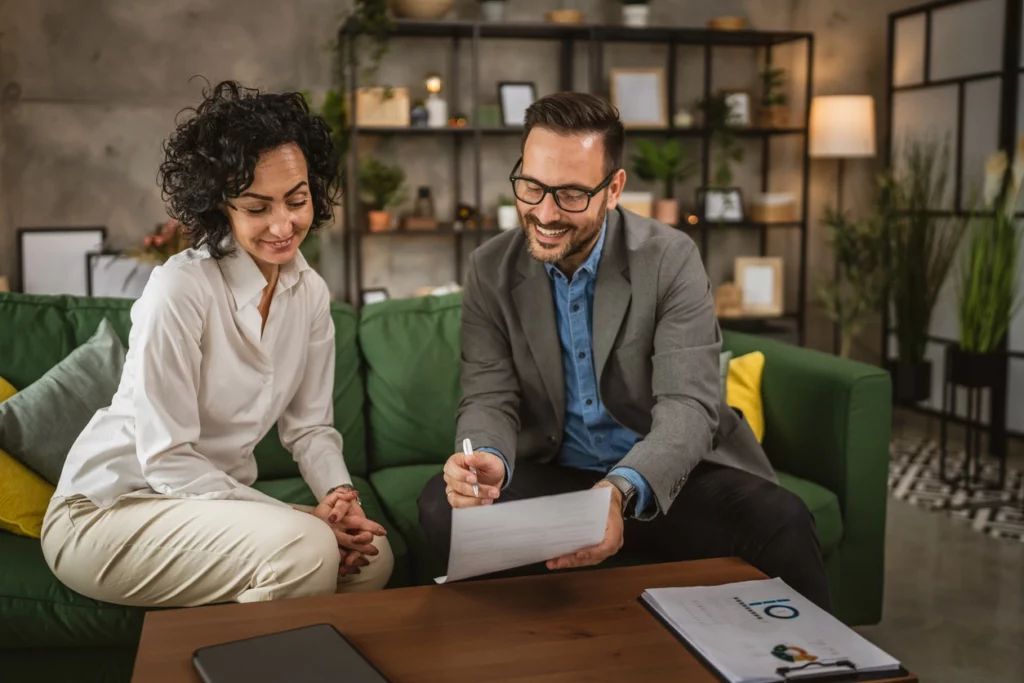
(212, 156)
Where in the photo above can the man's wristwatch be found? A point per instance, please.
(628, 491)
(347, 487)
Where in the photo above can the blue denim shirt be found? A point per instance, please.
(593, 440)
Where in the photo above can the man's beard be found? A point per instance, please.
(579, 237)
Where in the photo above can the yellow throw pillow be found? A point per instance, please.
(743, 389)
(24, 495)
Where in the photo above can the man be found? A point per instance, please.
(590, 358)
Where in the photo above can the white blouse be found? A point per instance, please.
(202, 386)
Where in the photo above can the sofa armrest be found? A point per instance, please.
(828, 420)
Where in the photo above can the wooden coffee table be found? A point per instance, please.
(557, 627)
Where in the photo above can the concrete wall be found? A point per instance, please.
(88, 90)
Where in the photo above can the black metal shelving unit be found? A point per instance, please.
(470, 34)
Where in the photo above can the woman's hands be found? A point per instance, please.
(341, 510)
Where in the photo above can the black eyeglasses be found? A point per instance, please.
(571, 198)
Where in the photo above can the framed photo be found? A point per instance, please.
(639, 95)
(514, 98)
(740, 114)
(112, 274)
(760, 284)
(52, 260)
(721, 205)
(375, 295)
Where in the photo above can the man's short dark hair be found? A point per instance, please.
(578, 113)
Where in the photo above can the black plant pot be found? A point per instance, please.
(911, 382)
(974, 370)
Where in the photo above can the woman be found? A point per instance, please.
(155, 505)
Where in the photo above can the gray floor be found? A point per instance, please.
(954, 603)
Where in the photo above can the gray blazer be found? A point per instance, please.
(656, 348)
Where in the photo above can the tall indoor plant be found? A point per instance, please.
(668, 164)
(857, 292)
(921, 247)
(988, 287)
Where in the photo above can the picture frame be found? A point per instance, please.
(374, 295)
(52, 260)
(740, 105)
(760, 283)
(639, 95)
(514, 98)
(112, 274)
(721, 204)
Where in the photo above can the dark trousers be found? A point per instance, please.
(721, 512)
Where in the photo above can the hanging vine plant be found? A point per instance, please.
(361, 44)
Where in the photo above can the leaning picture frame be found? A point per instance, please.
(639, 95)
(760, 283)
(374, 295)
(116, 275)
(514, 98)
(720, 204)
(740, 108)
(52, 260)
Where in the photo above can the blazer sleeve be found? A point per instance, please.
(488, 413)
(685, 379)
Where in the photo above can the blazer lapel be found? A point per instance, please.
(535, 303)
(612, 292)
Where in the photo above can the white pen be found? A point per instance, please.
(467, 449)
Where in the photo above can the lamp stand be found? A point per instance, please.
(836, 333)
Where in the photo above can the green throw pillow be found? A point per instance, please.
(39, 424)
(723, 371)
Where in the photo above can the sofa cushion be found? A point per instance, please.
(37, 610)
(823, 504)
(399, 489)
(39, 425)
(412, 350)
(37, 318)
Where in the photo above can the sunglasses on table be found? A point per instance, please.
(571, 198)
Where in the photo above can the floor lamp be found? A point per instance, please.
(842, 127)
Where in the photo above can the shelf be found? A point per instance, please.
(443, 230)
(703, 132)
(713, 225)
(513, 131)
(467, 131)
(610, 33)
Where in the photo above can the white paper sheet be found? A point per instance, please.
(749, 630)
(492, 538)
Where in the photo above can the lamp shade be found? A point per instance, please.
(842, 126)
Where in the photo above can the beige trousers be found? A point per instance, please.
(169, 552)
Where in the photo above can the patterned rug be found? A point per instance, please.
(914, 477)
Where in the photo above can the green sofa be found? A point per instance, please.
(396, 390)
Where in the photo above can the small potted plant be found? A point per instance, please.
(635, 13)
(668, 164)
(381, 189)
(508, 215)
(774, 109)
(492, 10)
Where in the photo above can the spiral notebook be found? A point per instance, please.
(766, 632)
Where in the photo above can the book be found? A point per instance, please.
(766, 632)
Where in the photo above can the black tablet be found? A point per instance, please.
(316, 653)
